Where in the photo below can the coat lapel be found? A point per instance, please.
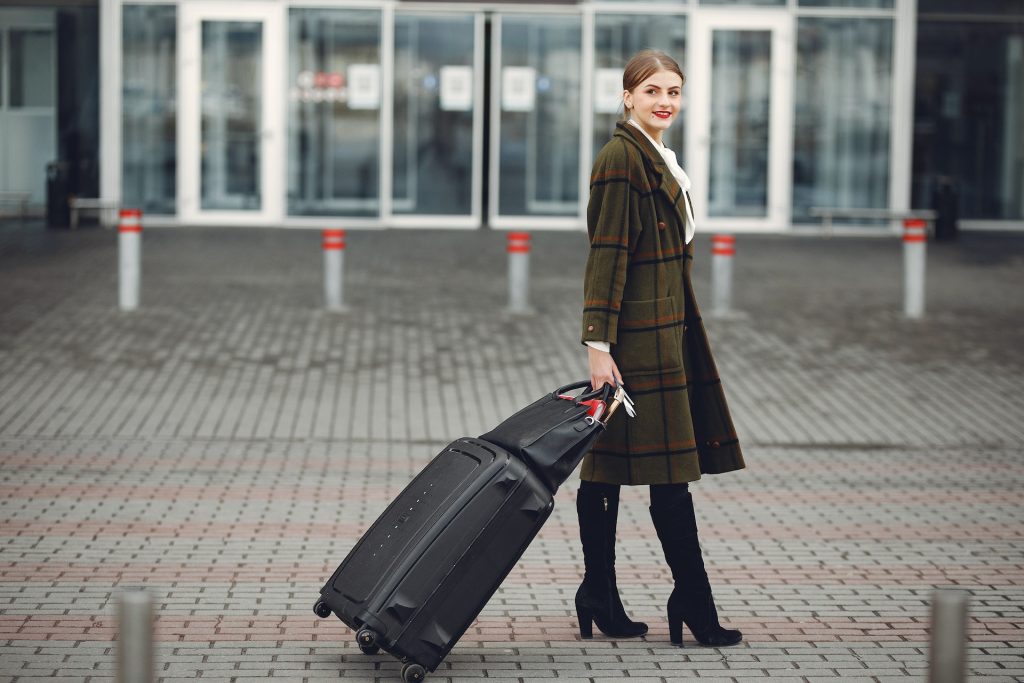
(666, 182)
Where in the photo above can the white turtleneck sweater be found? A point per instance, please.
(684, 182)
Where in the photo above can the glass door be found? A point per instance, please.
(535, 120)
(335, 104)
(437, 119)
(230, 112)
(738, 140)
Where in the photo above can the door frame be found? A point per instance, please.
(780, 136)
(273, 101)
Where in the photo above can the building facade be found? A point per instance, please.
(378, 113)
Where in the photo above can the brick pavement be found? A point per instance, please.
(224, 446)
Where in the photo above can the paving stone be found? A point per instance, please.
(224, 446)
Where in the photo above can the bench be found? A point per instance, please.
(106, 209)
(828, 213)
(19, 199)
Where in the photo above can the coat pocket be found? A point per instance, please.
(649, 337)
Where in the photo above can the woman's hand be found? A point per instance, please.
(602, 368)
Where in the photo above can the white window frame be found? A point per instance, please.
(780, 135)
(272, 121)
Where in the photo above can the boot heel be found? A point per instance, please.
(675, 632)
(675, 619)
(586, 620)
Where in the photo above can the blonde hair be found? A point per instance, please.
(642, 66)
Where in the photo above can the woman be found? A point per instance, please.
(643, 329)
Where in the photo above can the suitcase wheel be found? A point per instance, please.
(321, 609)
(367, 641)
(413, 672)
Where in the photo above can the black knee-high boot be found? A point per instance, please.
(597, 600)
(691, 600)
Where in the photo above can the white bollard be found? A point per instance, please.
(915, 239)
(333, 243)
(129, 250)
(518, 272)
(135, 638)
(947, 657)
(723, 250)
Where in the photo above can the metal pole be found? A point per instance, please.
(947, 659)
(135, 638)
(915, 239)
(334, 263)
(129, 248)
(518, 271)
(723, 250)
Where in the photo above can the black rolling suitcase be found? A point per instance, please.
(424, 570)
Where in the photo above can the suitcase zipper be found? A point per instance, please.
(606, 503)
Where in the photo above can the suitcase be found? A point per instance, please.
(423, 572)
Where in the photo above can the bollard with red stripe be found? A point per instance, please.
(129, 256)
(915, 240)
(518, 271)
(723, 249)
(333, 243)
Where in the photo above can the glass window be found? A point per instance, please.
(843, 106)
(740, 122)
(334, 112)
(761, 3)
(33, 78)
(3, 70)
(434, 103)
(883, 4)
(1002, 8)
(232, 108)
(149, 108)
(539, 99)
(969, 117)
(617, 37)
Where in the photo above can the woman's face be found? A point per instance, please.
(654, 103)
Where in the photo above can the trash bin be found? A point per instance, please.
(58, 213)
(947, 210)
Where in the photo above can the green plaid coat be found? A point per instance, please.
(638, 296)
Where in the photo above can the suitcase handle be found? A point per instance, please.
(604, 392)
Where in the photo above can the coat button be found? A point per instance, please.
(590, 328)
(661, 225)
(714, 444)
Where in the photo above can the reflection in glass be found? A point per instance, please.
(969, 117)
(149, 108)
(740, 95)
(1001, 11)
(32, 76)
(539, 97)
(843, 108)
(883, 4)
(231, 108)
(761, 3)
(617, 37)
(334, 87)
(433, 140)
